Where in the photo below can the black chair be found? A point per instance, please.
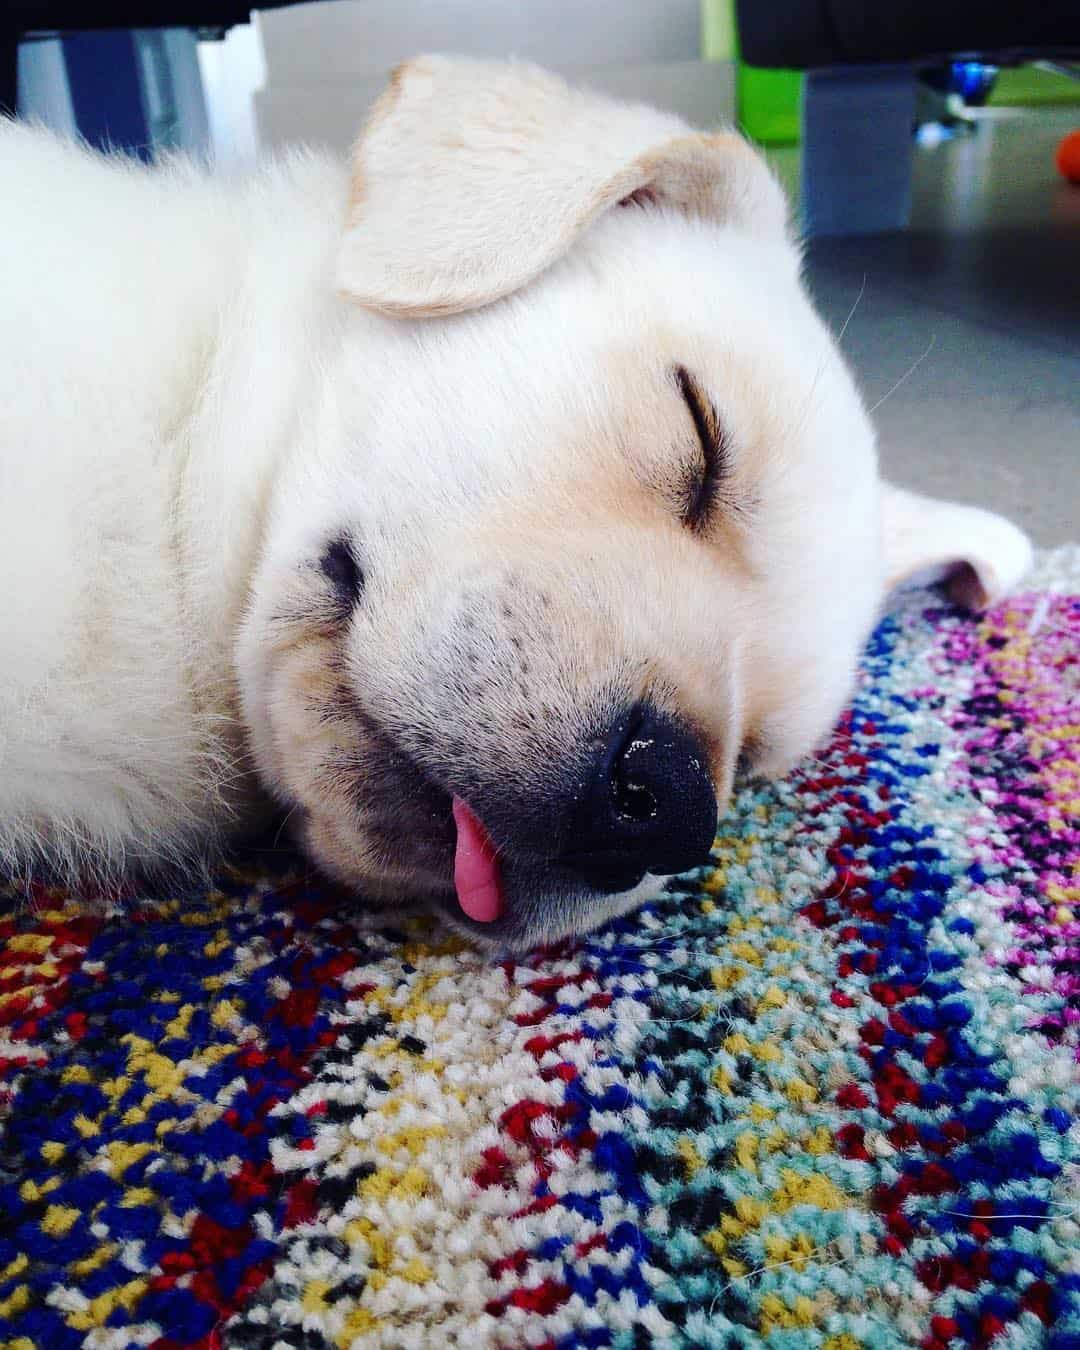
(812, 34)
(863, 60)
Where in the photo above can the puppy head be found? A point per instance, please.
(586, 512)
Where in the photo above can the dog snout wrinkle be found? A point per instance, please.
(649, 807)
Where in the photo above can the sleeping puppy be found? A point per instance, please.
(484, 503)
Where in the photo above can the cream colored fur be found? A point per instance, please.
(202, 390)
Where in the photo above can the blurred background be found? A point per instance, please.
(925, 147)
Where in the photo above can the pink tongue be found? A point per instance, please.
(476, 871)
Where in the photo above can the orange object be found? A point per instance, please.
(1068, 156)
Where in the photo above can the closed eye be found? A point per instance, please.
(707, 476)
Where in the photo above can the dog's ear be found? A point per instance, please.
(472, 177)
(978, 555)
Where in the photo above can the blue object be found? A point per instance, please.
(857, 134)
(106, 91)
(973, 81)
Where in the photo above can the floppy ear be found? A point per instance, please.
(472, 177)
(978, 555)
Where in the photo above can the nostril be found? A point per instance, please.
(634, 802)
(633, 798)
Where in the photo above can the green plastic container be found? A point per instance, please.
(768, 101)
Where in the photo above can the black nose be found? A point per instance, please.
(650, 806)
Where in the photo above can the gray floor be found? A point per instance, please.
(984, 292)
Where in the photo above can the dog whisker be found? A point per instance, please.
(906, 375)
(851, 311)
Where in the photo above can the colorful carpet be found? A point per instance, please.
(825, 1094)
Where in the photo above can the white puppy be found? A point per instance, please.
(482, 502)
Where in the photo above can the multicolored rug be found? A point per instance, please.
(826, 1094)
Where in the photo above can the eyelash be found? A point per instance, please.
(704, 485)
